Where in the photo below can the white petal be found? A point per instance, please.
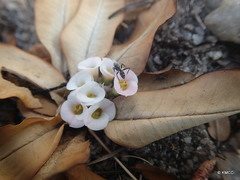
(90, 88)
(90, 65)
(108, 107)
(95, 124)
(66, 111)
(106, 69)
(132, 88)
(78, 80)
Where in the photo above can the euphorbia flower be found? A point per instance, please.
(73, 111)
(106, 68)
(98, 115)
(78, 80)
(127, 86)
(89, 94)
(90, 65)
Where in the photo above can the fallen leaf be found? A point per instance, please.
(151, 115)
(40, 51)
(28, 113)
(67, 155)
(49, 108)
(81, 172)
(29, 67)
(134, 52)
(229, 167)
(27, 146)
(204, 170)
(90, 33)
(50, 19)
(154, 173)
(8, 89)
(159, 80)
(220, 129)
(235, 142)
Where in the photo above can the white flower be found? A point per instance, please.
(106, 68)
(90, 65)
(73, 111)
(127, 86)
(98, 115)
(78, 80)
(89, 94)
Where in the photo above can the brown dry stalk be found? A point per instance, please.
(109, 151)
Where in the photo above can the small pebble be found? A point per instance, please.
(197, 39)
(187, 140)
(215, 55)
(157, 60)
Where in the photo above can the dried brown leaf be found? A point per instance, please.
(154, 173)
(29, 67)
(40, 51)
(50, 18)
(151, 115)
(154, 81)
(81, 172)
(28, 113)
(204, 170)
(90, 33)
(134, 53)
(235, 142)
(49, 108)
(220, 129)
(8, 89)
(27, 146)
(67, 155)
(229, 167)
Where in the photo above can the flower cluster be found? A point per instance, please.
(97, 81)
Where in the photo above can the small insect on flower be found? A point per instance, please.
(119, 69)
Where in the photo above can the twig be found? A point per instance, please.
(199, 20)
(136, 157)
(114, 157)
(105, 157)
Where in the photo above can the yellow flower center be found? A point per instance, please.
(78, 109)
(123, 84)
(97, 113)
(91, 95)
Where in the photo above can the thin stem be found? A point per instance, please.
(114, 157)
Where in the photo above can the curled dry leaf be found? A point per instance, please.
(204, 170)
(90, 33)
(134, 53)
(50, 18)
(158, 80)
(81, 172)
(220, 129)
(22, 144)
(67, 155)
(29, 67)
(151, 115)
(8, 89)
(154, 173)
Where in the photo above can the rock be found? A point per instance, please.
(224, 21)
(213, 4)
